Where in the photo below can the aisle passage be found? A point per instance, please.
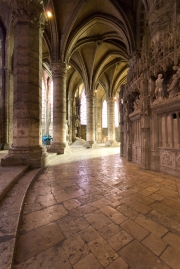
(93, 210)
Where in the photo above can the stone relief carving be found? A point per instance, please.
(159, 60)
(174, 88)
(178, 160)
(166, 158)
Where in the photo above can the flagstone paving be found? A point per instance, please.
(91, 210)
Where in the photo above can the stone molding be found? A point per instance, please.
(165, 105)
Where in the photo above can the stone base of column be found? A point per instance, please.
(23, 156)
(59, 148)
(95, 145)
(6, 146)
(88, 144)
(112, 143)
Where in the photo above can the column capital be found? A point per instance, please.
(110, 100)
(90, 94)
(28, 10)
(58, 69)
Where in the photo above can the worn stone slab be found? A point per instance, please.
(68, 226)
(97, 219)
(6, 253)
(119, 240)
(172, 257)
(170, 224)
(139, 257)
(102, 251)
(109, 230)
(166, 210)
(54, 257)
(172, 239)
(134, 229)
(46, 200)
(113, 214)
(127, 211)
(42, 217)
(89, 234)
(154, 243)
(82, 223)
(119, 263)
(100, 203)
(88, 262)
(71, 204)
(151, 226)
(143, 209)
(75, 248)
(43, 237)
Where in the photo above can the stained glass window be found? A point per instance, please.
(83, 109)
(104, 114)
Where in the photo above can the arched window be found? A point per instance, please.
(116, 114)
(104, 114)
(83, 109)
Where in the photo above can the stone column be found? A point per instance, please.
(2, 92)
(70, 117)
(59, 72)
(27, 70)
(8, 110)
(90, 126)
(98, 122)
(111, 123)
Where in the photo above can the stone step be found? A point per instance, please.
(11, 207)
(8, 176)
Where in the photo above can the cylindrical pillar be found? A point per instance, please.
(26, 147)
(59, 72)
(70, 119)
(98, 122)
(9, 110)
(111, 123)
(90, 126)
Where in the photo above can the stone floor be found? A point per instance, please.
(94, 210)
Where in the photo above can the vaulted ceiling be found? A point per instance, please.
(95, 38)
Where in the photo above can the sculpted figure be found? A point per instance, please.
(137, 103)
(159, 87)
(174, 87)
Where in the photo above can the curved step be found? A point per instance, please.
(10, 213)
(8, 176)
